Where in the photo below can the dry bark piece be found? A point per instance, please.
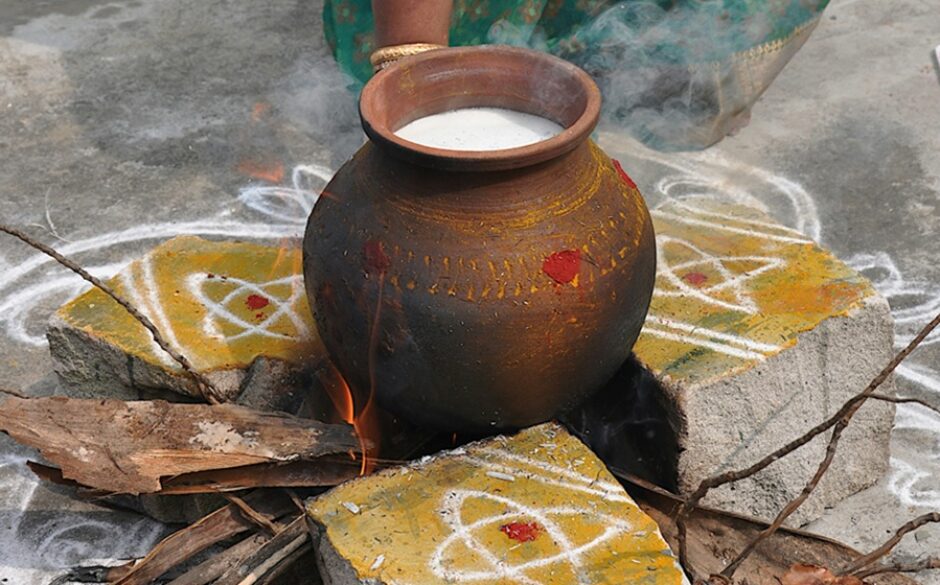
(186, 543)
(315, 473)
(911, 567)
(324, 472)
(268, 555)
(127, 447)
(255, 516)
(299, 567)
(213, 567)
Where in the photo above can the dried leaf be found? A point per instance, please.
(807, 575)
(802, 574)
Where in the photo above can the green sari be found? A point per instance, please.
(676, 74)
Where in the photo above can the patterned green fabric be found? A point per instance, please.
(649, 40)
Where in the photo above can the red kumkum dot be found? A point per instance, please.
(562, 266)
(623, 174)
(521, 531)
(695, 278)
(374, 256)
(256, 302)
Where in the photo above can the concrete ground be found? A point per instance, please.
(124, 123)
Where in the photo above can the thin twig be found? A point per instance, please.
(287, 568)
(273, 560)
(905, 400)
(296, 500)
(913, 567)
(205, 387)
(252, 514)
(213, 567)
(268, 555)
(875, 555)
(847, 411)
(52, 228)
(794, 504)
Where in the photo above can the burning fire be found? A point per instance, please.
(365, 422)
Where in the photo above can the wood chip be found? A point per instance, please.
(186, 543)
(325, 472)
(267, 556)
(213, 567)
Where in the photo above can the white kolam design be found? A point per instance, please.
(490, 566)
(218, 311)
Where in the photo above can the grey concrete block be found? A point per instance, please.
(737, 420)
(755, 335)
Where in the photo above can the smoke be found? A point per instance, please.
(666, 74)
(322, 101)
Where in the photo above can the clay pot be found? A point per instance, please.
(484, 289)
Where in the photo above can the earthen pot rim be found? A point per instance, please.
(480, 76)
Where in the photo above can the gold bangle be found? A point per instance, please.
(385, 56)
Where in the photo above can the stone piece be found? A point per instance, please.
(236, 310)
(535, 508)
(755, 334)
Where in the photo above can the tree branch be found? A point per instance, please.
(205, 387)
(251, 514)
(866, 560)
(794, 504)
(847, 411)
(921, 565)
(905, 400)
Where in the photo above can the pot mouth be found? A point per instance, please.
(497, 76)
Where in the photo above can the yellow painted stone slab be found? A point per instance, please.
(537, 508)
(734, 288)
(221, 304)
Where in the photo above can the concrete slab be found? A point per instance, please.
(754, 335)
(238, 312)
(537, 507)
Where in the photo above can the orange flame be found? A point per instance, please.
(365, 422)
(368, 428)
(340, 395)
